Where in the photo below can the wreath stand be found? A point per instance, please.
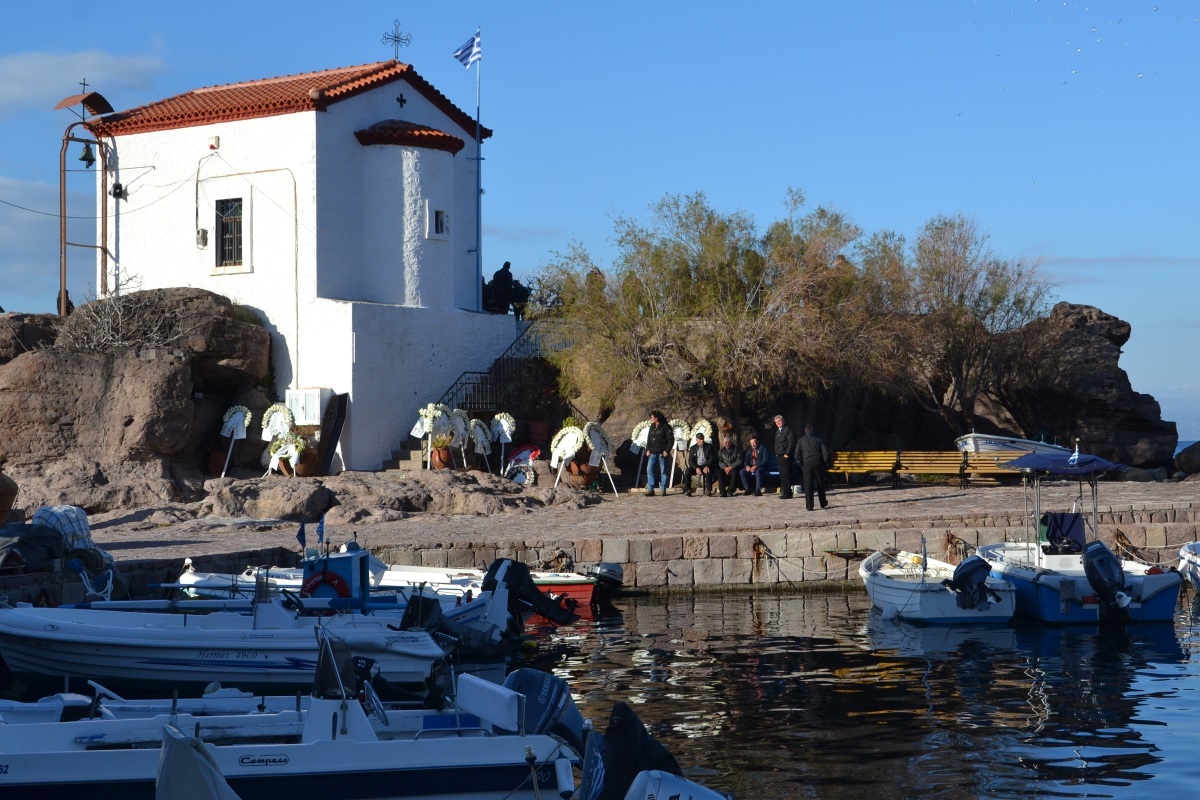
(641, 460)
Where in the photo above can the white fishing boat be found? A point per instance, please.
(1189, 564)
(345, 743)
(519, 740)
(585, 590)
(989, 443)
(1063, 575)
(916, 588)
(266, 642)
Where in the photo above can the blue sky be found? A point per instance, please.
(1066, 129)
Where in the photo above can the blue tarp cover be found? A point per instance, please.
(1056, 464)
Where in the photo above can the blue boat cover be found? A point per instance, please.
(1062, 464)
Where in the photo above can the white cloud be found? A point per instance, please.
(40, 80)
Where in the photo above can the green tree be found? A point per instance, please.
(967, 304)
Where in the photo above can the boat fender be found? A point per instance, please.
(330, 579)
(564, 777)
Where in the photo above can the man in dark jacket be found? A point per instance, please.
(785, 447)
(702, 462)
(813, 456)
(754, 466)
(660, 440)
(729, 462)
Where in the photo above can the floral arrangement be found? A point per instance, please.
(238, 410)
(434, 418)
(703, 426)
(503, 427)
(597, 438)
(683, 434)
(529, 472)
(441, 440)
(641, 432)
(288, 440)
(460, 422)
(481, 436)
(277, 420)
(565, 445)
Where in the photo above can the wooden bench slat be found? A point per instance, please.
(917, 462)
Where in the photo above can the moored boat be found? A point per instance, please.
(989, 443)
(916, 588)
(1064, 576)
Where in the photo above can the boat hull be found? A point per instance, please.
(1189, 564)
(150, 651)
(1056, 590)
(982, 443)
(901, 590)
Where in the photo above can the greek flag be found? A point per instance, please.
(470, 52)
(300, 535)
(321, 530)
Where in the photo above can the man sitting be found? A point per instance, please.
(702, 462)
(729, 463)
(754, 466)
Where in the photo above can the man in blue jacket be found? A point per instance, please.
(754, 466)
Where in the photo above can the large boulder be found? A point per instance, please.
(20, 333)
(110, 429)
(1188, 459)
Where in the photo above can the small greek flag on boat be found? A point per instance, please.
(321, 530)
(470, 52)
(300, 535)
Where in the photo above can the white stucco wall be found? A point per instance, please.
(337, 254)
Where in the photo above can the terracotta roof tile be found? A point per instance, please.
(396, 131)
(288, 94)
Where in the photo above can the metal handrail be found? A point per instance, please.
(475, 391)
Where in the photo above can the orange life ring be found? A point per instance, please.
(330, 579)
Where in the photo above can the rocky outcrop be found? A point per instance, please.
(1188, 459)
(107, 430)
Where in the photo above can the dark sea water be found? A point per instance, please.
(816, 696)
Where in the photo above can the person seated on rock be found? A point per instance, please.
(702, 463)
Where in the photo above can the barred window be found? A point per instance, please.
(229, 232)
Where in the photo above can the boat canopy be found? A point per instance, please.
(1055, 464)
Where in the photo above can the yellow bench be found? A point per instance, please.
(917, 462)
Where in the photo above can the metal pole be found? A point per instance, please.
(478, 188)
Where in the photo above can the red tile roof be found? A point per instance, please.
(396, 131)
(311, 91)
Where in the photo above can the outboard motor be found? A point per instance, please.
(969, 584)
(1107, 578)
(549, 707)
(522, 589)
(609, 577)
(613, 760)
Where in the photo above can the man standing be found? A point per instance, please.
(813, 457)
(502, 281)
(754, 462)
(729, 461)
(702, 462)
(660, 440)
(785, 446)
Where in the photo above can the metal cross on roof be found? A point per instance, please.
(397, 38)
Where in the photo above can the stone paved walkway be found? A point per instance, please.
(133, 536)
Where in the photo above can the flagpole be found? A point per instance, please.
(478, 184)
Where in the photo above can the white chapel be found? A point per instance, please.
(341, 205)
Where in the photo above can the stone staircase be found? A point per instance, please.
(482, 394)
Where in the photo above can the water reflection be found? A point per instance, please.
(818, 696)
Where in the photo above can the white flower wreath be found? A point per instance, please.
(682, 433)
(434, 419)
(597, 439)
(238, 410)
(460, 427)
(503, 427)
(277, 420)
(565, 445)
(287, 440)
(703, 426)
(640, 435)
(481, 436)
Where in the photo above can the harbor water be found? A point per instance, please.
(817, 696)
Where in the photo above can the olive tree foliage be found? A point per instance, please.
(697, 303)
(970, 309)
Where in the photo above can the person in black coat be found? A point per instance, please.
(660, 441)
(785, 446)
(702, 462)
(813, 457)
(502, 281)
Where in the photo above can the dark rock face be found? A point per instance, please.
(1188, 459)
(108, 430)
(20, 333)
